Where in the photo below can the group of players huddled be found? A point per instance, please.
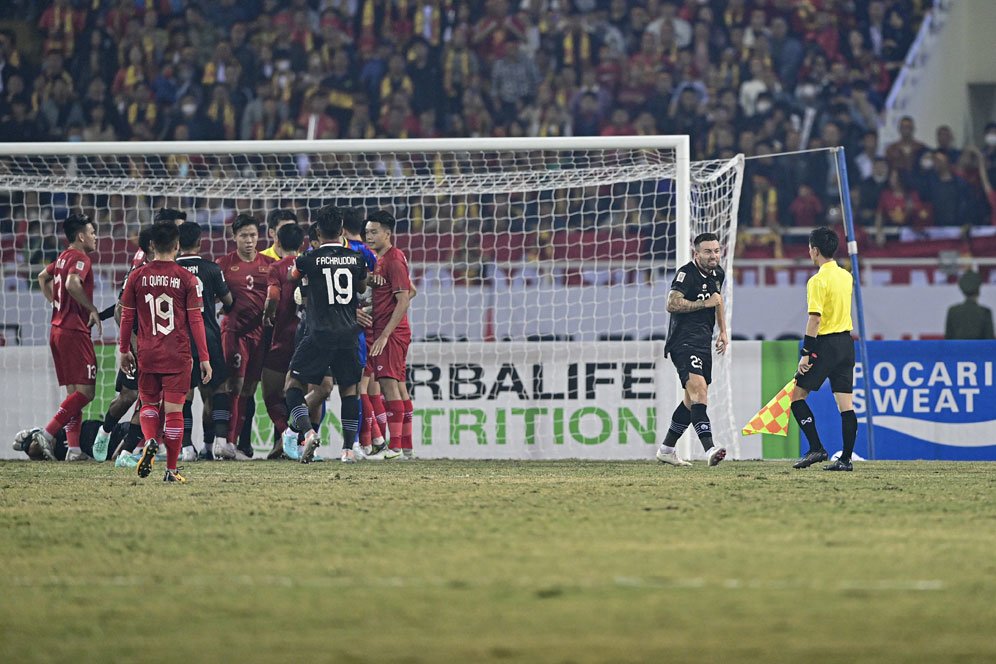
(305, 315)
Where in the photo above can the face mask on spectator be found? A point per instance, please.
(189, 109)
(991, 140)
(926, 163)
(763, 107)
(283, 65)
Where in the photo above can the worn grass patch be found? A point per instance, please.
(451, 561)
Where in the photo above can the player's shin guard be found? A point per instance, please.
(396, 422)
(173, 435)
(406, 425)
(70, 407)
(366, 420)
(680, 420)
(221, 413)
(350, 415)
(277, 410)
(807, 422)
(247, 411)
(849, 432)
(297, 410)
(150, 419)
(702, 425)
(188, 423)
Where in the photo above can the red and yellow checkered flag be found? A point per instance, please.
(774, 417)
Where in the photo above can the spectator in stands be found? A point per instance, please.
(946, 193)
(989, 150)
(898, 205)
(514, 79)
(969, 320)
(806, 209)
(945, 144)
(865, 159)
(985, 182)
(904, 154)
(870, 191)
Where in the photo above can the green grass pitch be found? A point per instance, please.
(446, 561)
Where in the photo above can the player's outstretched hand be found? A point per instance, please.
(377, 279)
(127, 363)
(363, 317)
(94, 321)
(713, 301)
(378, 346)
(205, 372)
(722, 343)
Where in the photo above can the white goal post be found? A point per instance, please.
(542, 264)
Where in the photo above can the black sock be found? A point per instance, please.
(350, 417)
(109, 421)
(849, 431)
(680, 420)
(807, 422)
(188, 423)
(297, 410)
(221, 413)
(208, 425)
(133, 438)
(245, 436)
(700, 421)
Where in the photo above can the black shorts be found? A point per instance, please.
(318, 356)
(688, 360)
(124, 382)
(219, 369)
(834, 360)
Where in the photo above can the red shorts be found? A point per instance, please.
(172, 387)
(244, 354)
(368, 368)
(75, 359)
(393, 360)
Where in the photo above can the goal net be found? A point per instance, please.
(542, 268)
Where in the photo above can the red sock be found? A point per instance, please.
(380, 414)
(149, 417)
(173, 435)
(396, 422)
(406, 426)
(368, 419)
(73, 432)
(277, 410)
(235, 424)
(70, 407)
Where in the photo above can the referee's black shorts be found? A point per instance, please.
(834, 360)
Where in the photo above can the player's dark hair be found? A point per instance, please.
(382, 217)
(290, 237)
(705, 237)
(352, 220)
(825, 241)
(313, 233)
(242, 221)
(190, 234)
(145, 239)
(329, 222)
(277, 215)
(74, 225)
(169, 214)
(164, 236)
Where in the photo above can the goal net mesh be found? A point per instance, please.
(573, 248)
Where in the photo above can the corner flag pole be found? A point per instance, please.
(852, 250)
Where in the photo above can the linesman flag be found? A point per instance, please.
(774, 417)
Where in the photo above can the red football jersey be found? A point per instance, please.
(393, 266)
(162, 293)
(286, 320)
(247, 281)
(67, 313)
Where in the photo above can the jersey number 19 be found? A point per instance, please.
(339, 285)
(161, 308)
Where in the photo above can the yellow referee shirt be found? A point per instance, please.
(828, 293)
(271, 252)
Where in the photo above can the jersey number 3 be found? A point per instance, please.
(339, 285)
(161, 309)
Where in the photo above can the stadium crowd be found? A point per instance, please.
(739, 76)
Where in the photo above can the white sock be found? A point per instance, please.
(666, 450)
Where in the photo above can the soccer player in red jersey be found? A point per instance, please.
(246, 272)
(68, 284)
(280, 315)
(391, 332)
(165, 300)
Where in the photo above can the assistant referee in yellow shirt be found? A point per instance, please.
(827, 352)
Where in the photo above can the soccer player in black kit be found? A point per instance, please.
(331, 276)
(695, 305)
(213, 290)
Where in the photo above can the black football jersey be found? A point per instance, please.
(213, 287)
(330, 276)
(695, 327)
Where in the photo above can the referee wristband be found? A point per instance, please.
(808, 345)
